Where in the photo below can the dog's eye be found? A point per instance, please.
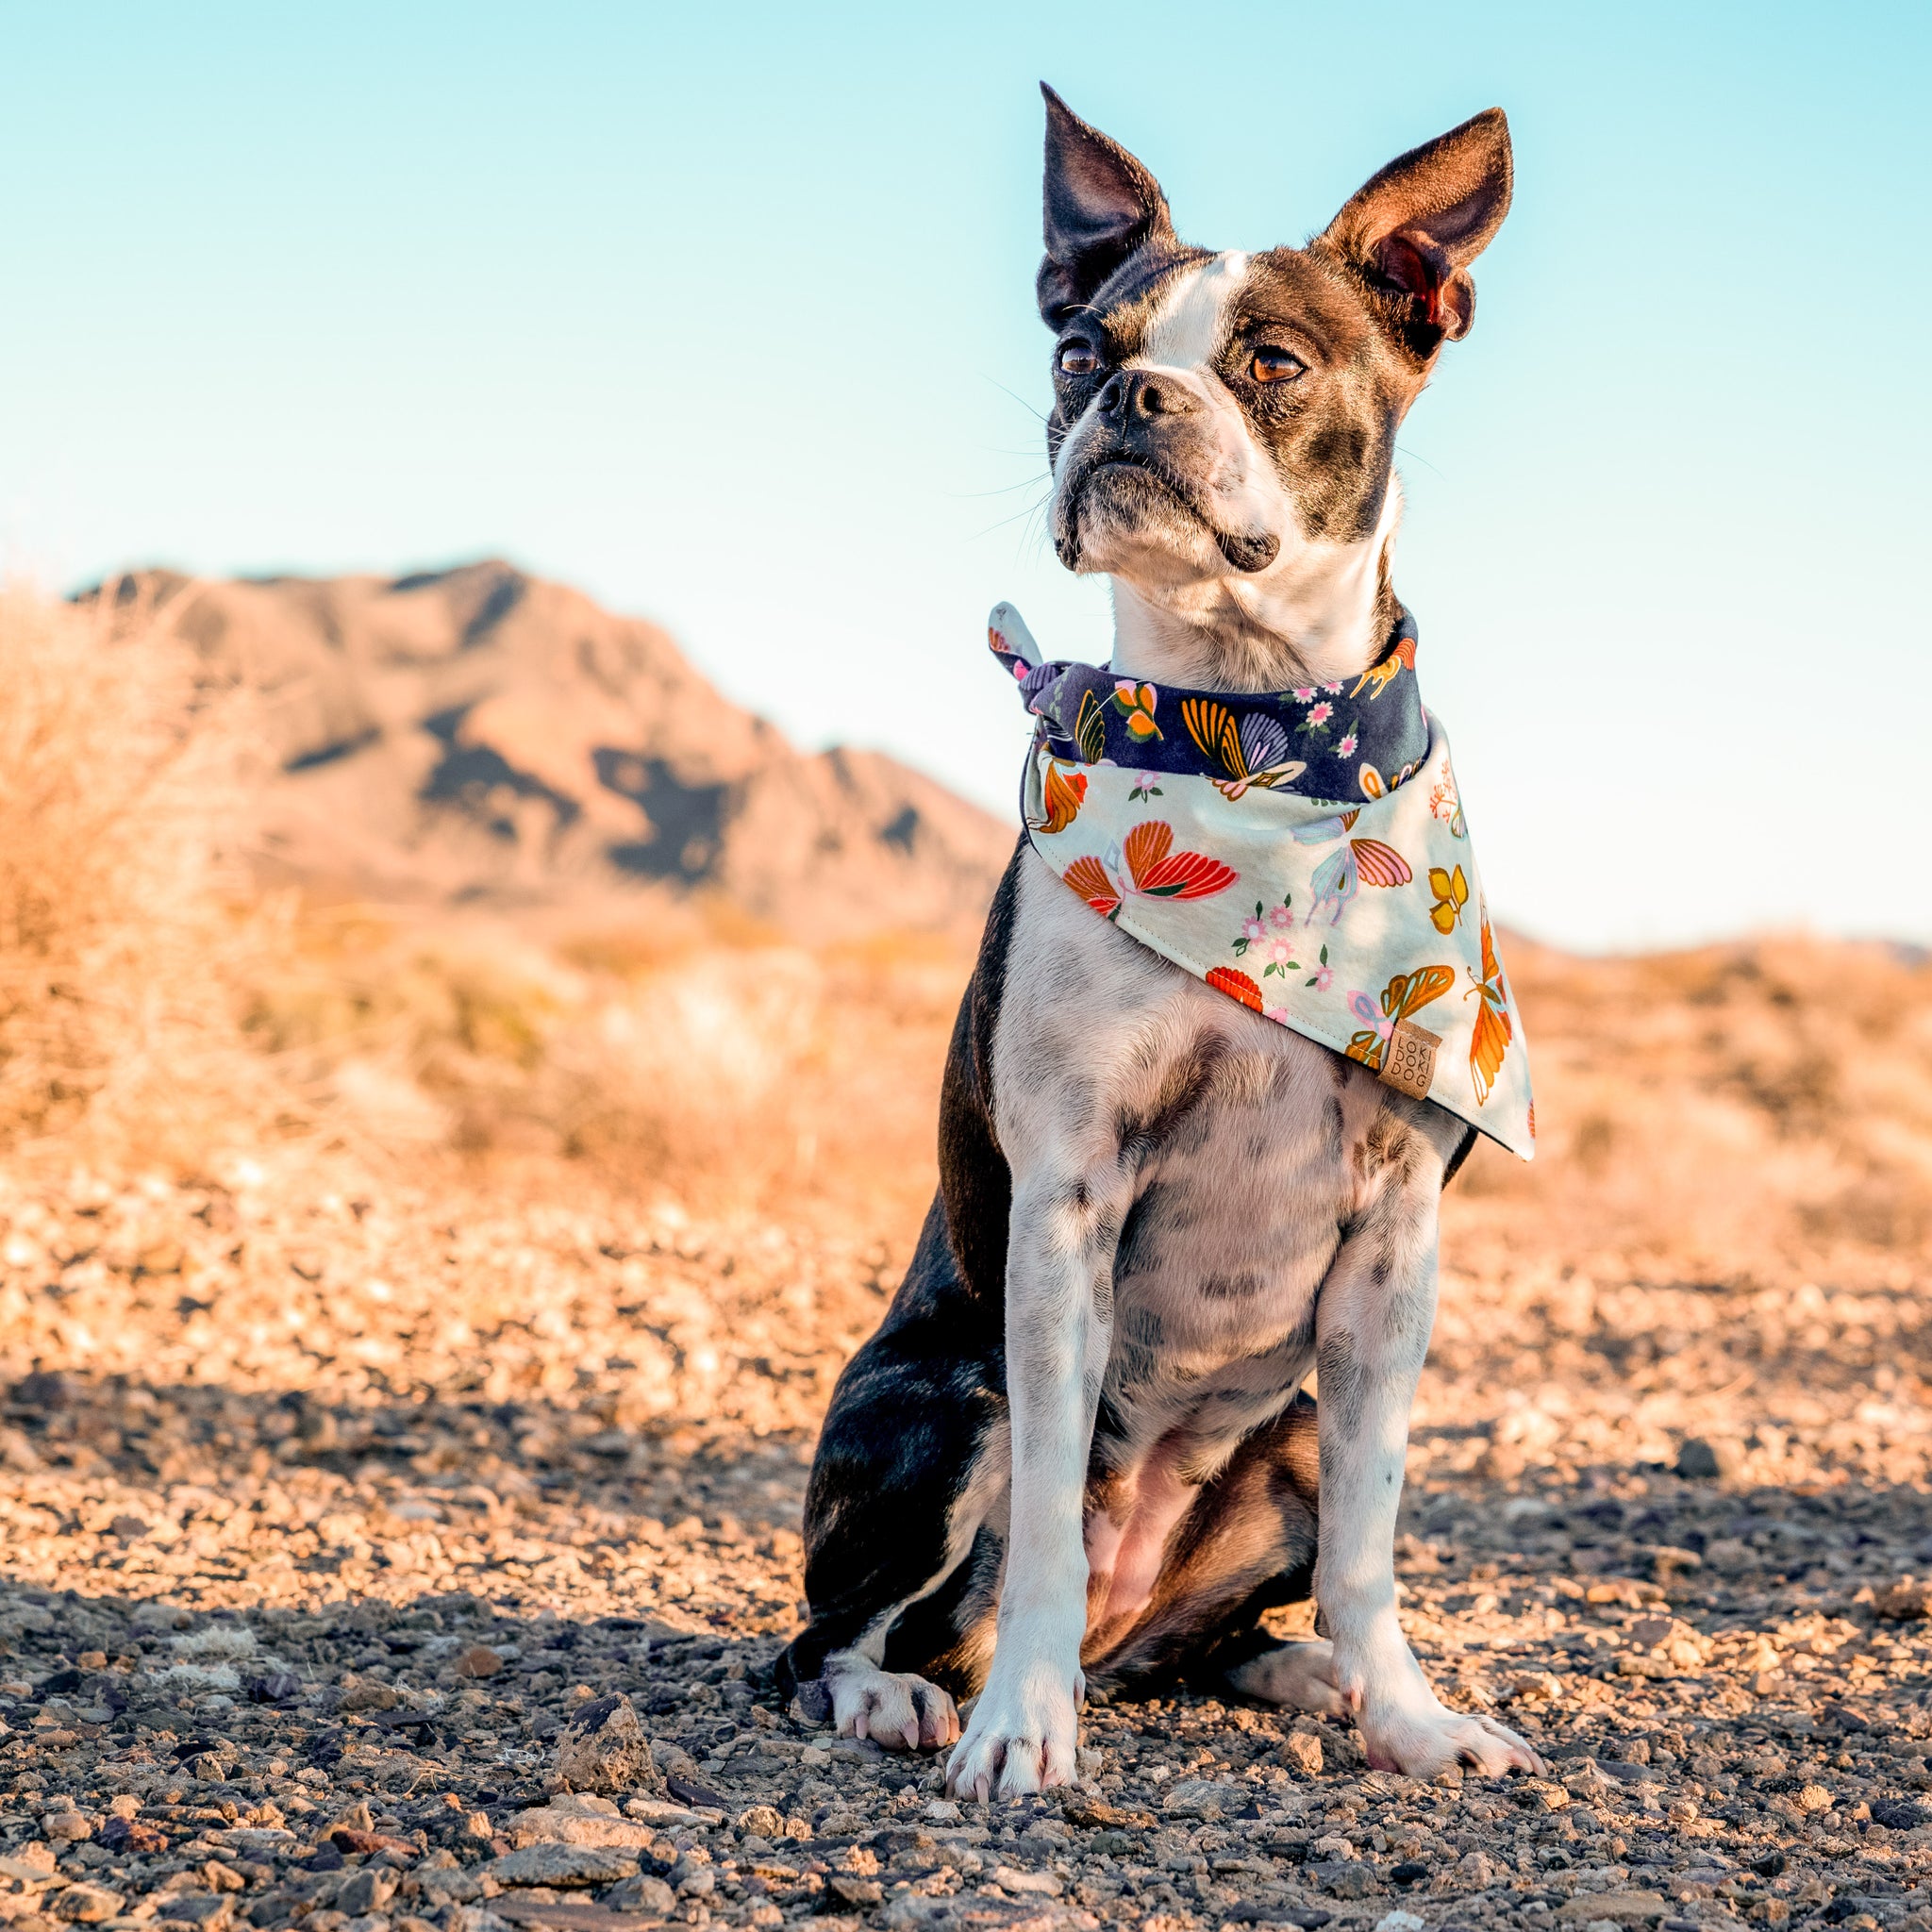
(1276, 365)
(1077, 358)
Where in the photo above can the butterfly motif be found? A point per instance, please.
(1494, 1028)
(1135, 702)
(1253, 751)
(1236, 984)
(1375, 786)
(1385, 674)
(1452, 894)
(1145, 862)
(1406, 993)
(1089, 728)
(1340, 876)
(1065, 793)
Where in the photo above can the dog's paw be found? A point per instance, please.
(1293, 1676)
(1424, 1743)
(898, 1711)
(1021, 1736)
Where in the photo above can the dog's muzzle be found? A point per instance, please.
(1137, 418)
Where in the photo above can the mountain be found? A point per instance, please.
(481, 735)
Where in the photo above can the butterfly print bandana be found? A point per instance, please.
(1304, 851)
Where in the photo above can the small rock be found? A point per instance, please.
(1200, 1797)
(479, 1661)
(1535, 1687)
(860, 1893)
(643, 1893)
(1907, 1600)
(364, 1693)
(87, 1905)
(1091, 1812)
(1398, 1921)
(1045, 1884)
(571, 1821)
(367, 1891)
(568, 1867)
(67, 1827)
(1900, 1816)
(1302, 1751)
(209, 1910)
(811, 1704)
(1409, 1873)
(1706, 1459)
(603, 1748)
(1618, 1907)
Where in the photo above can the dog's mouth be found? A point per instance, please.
(1245, 550)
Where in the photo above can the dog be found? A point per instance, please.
(1077, 1450)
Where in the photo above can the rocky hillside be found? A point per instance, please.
(480, 736)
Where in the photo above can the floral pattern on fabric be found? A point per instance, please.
(1367, 909)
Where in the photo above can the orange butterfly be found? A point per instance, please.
(1065, 793)
(1252, 749)
(1494, 1029)
(1146, 863)
(1407, 992)
(1236, 985)
(1385, 674)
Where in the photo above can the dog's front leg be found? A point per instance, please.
(1372, 1319)
(1059, 1277)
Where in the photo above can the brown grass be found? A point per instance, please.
(121, 945)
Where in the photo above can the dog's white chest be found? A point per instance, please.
(1234, 1136)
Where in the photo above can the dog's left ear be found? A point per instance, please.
(1412, 230)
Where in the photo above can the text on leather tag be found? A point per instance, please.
(1409, 1063)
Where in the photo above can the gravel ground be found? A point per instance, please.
(343, 1528)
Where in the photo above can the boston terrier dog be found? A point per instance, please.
(1077, 1450)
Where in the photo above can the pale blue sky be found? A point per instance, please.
(727, 317)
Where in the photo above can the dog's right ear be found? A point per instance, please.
(1101, 205)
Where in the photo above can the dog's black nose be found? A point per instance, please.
(1133, 394)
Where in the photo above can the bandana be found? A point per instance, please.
(1303, 852)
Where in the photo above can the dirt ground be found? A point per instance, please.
(337, 1491)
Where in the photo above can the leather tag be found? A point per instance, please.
(1409, 1063)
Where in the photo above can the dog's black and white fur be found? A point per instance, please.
(1076, 1447)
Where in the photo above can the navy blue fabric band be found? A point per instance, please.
(1346, 741)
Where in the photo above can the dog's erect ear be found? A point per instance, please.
(1413, 229)
(1101, 205)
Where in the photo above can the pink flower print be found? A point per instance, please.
(1320, 714)
(1280, 952)
(1278, 1014)
(1281, 918)
(1334, 691)
(1303, 694)
(1346, 748)
(1321, 978)
(1255, 929)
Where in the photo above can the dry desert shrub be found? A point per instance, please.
(729, 1071)
(121, 945)
(1756, 1108)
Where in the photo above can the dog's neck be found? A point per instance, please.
(1322, 614)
